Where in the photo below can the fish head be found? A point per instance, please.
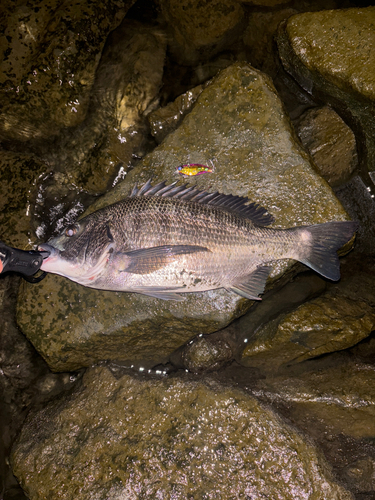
(80, 252)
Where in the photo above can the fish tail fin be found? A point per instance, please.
(325, 240)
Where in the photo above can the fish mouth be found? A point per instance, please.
(49, 254)
(46, 250)
(44, 253)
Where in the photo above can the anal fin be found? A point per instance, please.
(253, 284)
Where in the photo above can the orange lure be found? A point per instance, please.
(191, 169)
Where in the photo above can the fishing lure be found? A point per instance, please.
(191, 169)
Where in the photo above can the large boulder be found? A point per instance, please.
(337, 319)
(125, 90)
(342, 75)
(330, 142)
(239, 123)
(132, 437)
(332, 400)
(50, 54)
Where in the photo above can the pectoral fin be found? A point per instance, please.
(148, 260)
(252, 285)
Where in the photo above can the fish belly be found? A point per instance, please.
(201, 271)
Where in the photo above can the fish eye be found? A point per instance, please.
(71, 231)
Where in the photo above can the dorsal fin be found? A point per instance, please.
(229, 202)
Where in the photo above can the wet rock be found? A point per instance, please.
(342, 75)
(239, 121)
(58, 203)
(179, 79)
(265, 3)
(22, 29)
(259, 38)
(332, 401)
(32, 198)
(359, 201)
(201, 30)
(362, 472)
(79, 326)
(84, 160)
(204, 354)
(330, 142)
(18, 179)
(301, 6)
(163, 438)
(24, 381)
(337, 319)
(51, 51)
(165, 120)
(125, 90)
(17, 373)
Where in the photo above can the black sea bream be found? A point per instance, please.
(166, 240)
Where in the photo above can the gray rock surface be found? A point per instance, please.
(199, 29)
(165, 120)
(167, 438)
(332, 401)
(19, 174)
(343, 75)
(259, 36)
(125, 90)
(239, 121)
(330, 142)
(337, 319)
(50, 53)
(24, 380)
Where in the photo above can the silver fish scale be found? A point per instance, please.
(139, 223)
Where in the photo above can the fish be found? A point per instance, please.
(191, 169)
(166, 240)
